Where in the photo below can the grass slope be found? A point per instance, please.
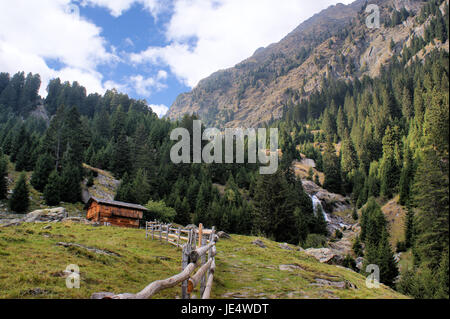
(30, 259)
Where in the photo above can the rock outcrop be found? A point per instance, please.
(331, 202)
(325, 255)
(259, 243)
(51, 215)
(258, 89)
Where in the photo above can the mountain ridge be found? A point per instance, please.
(253, 91)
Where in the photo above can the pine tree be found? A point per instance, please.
(141, 187)
(19, 201)
(201, 207)
(332, 169)
(121, 156)
(357, 247)
(70, 184)
(386, 261)
(23, 160)
(431, 197)
(407, 105)
(355, 214)
(443, 278)
(44, 166)
(409, 228)
(3, 176)
(125, 192)
(182, 208)
(274, 209)
(389, 167)
(52, 191)
(349, 159)
(406, 177)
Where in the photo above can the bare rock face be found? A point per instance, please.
(257, 89)
(105, 185)
(332, 202)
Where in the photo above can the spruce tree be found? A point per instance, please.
(3, 176)
(406, 178)
(141, 187)
(443, 278)
(332, 169)
(44, 166)
(19, 201)
(23, 160)
(121, 156)
(52, 191)
(70, 184)
(355, 214)
(182, 207)
(386, 261)
(409, 228)
(125, 192)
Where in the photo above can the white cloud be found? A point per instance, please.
(117, 7)
(162, 75)
(31, 32)
(145, 86)
(226, 32)
(160, 110)
(129, 42)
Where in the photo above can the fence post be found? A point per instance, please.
(200, 235)
(153, 231)
(179, 235)
(146, 229)
(187, 248)
(160, 232)
(203, 282)
(167, 234)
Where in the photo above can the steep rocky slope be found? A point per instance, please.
(335, 43)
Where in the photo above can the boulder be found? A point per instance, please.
(58, 213)
(335, 284)
(290, 267)
(325, 255)
(223, 235)
(285, 246)
(359, 262)
(12, 222)
(259, 243)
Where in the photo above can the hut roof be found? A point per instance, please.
(115, 203)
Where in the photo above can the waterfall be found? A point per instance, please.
(317, 205)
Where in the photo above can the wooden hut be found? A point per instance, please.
(114, 212)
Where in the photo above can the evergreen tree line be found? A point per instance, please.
(392, 136)
(121, 136)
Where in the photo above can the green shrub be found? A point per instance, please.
(315, 241)
(160, 212)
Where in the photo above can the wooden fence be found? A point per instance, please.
(198, 251)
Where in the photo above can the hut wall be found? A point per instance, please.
(118, 216)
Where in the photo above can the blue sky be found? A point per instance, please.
(149, 49)
(134, 31)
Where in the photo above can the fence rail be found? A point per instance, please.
(198, 251)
